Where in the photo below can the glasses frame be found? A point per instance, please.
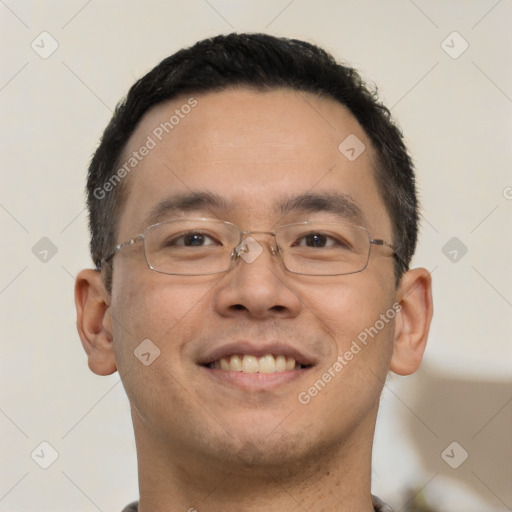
(238, 249)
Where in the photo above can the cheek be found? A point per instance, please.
(147, 305)
(167, 313)
(351, 307)
(353, 379)
(360, 318)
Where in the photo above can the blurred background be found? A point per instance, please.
(443, 439)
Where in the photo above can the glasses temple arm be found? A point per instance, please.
(397, 256)
(106, 259)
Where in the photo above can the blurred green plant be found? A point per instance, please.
(416, 502)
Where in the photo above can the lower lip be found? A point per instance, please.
(255, 381)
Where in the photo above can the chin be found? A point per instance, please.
(265, 446)
(252, 454)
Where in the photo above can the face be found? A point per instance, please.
(255, 152)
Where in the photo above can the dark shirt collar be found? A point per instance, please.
(378, 505)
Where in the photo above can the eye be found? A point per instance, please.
(320, 241)
(192, 239)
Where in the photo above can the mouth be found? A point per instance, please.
(251, 363)
(257, 366)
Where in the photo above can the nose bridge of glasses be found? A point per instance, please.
(249, 247)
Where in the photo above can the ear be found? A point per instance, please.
(413, 321)
(94, 322)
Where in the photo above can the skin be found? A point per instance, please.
(213, 445)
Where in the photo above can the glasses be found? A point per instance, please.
(196, 247)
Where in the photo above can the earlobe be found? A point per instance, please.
(413, 321)
(94, 324)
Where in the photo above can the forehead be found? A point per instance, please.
(254, 150)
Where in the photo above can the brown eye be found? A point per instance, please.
(315, 240)
(320, 241)
(192, 239)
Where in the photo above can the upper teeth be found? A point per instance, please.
(252, 364)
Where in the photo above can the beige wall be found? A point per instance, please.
(456, 114)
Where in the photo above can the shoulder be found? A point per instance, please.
(132, 507)
(380, 506)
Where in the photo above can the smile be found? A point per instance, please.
(247, 363)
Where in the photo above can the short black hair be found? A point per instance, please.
(262, 62)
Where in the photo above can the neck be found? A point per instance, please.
(335, 478)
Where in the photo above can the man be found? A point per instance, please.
(253, 216)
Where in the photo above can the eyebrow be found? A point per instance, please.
(341, 205)
(182, 203)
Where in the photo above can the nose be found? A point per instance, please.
(257, 286)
